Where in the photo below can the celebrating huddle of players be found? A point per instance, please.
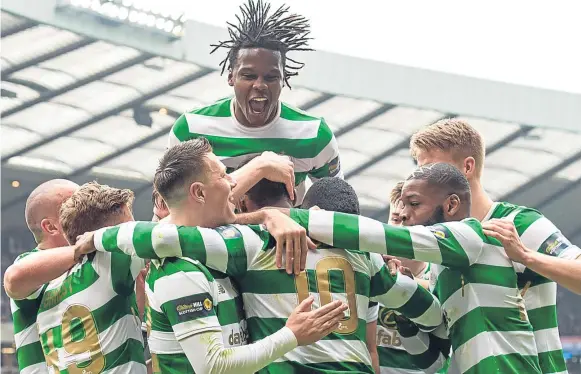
(297, 281)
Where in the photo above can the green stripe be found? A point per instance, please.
(509, 363)
(450, 280)
(82, 279)
(142, 238)
(159, 322)
(279, 282)
(292, 367)
(176, 363)
(543, 318)
(29, 354)
(552, 362)
(486, 319)
(453, 255)
(131, 350)
(189, 237)
(230, 311)
(112, 311)
(293, 114)
(121, 278)
(25, 315)
(232, 147)
(259, 328)
(395, 358)
(342, 224)
(109, 240)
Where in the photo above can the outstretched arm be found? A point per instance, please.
(429, 351)
(565, 268)
(453, 244)
(29, 273)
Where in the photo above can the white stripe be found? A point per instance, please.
(571, 253)
(479, 295)
(98, 239)
(372, 314)
(233, 336)
(163, 343)
(224, 127)
(548, 340)
(125, 237)
(399, 294)
(471, 243)
(230, 292)
(27, 336)
(494, 256)
(541, 295)
(386, 370)
(216, 251)
(165, 240)
(137, 264)
(130, 367)
(181, 284)
(425, 245)
(253, 245)
(372, 236)
(127, 327)
(198, 326)
(153, 304)
(327, 154)
(321, 226)
(13, 306)
(416, 344)
(537, 233)
(431, 317)
(93, 297)
(39, 368)
(494, 343)
(330, 351)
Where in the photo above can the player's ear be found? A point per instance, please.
(197, 192)
(469, 167)
(49, 227)
(230, 79)
(452, 205)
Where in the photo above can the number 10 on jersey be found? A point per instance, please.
(322, 273)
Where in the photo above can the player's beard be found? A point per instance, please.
(437, 217)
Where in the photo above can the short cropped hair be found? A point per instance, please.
(266, 192)
(395, 194)
(183, 163)
(92, 207)
(450, 135)
(444, 176)
(333, 194)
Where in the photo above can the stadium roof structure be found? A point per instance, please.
(81, 108)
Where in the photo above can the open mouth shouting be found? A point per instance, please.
(258, 105)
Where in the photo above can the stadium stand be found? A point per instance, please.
(80, 108)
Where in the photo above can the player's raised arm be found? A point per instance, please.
(224, 249)
(450, 244)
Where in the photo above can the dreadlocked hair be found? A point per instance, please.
(279, 31)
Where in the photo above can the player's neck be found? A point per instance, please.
(185, 217)
(481, 202)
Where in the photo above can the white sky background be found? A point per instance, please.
(534, 43)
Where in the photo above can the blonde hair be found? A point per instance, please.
(450, 135)
(395, 194)
(91, 207)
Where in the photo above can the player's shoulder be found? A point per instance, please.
(24, 254)
(523, 217)
(173, 270)
(220, 108)
(292, 113)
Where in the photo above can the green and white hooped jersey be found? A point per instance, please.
(472, 277)
(393, 358)
(540, 294)
(185, 298)
(88, 318)
(307, 140)
(28, 348)
(270, 295)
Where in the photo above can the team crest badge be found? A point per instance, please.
(208, 304)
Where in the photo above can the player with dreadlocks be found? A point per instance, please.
(255, 120)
